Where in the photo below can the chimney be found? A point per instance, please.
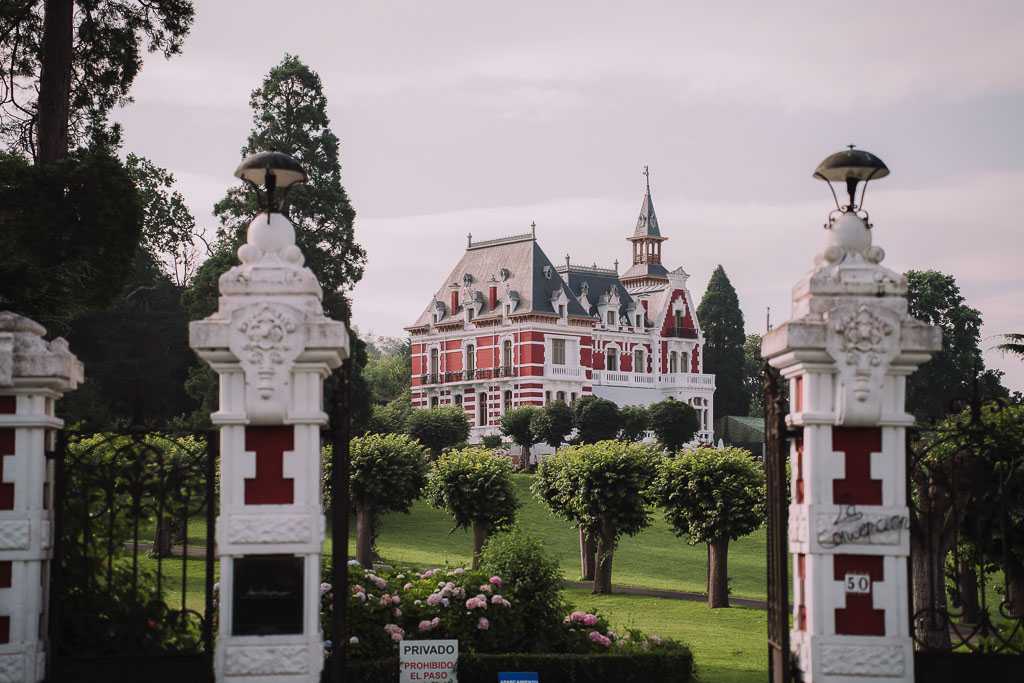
(455, 301)
(494, 297)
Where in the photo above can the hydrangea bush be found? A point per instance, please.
(474, 607)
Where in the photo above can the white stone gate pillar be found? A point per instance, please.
(34, 373)
(272, 348)
(847, 351)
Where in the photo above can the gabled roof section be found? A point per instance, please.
(513, 264)
(591, 283)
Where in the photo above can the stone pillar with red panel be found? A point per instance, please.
(34, 373)
(272, 347)
(847, 352)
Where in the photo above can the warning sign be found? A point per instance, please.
(428, 660)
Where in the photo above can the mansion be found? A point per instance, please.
(508, 328)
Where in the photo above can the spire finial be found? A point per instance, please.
(533, 228)
(567, 262)
(469, 240)
(647, 174)
(617, 265)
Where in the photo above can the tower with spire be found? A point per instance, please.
(647, 269)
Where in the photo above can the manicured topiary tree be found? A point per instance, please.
(636, 420)
(515, 424)
(476, 488)
(387, 473)
(674, 423)
(604, 488)
(596, 419)
(552, 423)
(439, 428)
(712, 496)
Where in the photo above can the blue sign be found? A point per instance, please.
(517, 677)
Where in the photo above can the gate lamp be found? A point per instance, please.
(274, 171)
(851, 166)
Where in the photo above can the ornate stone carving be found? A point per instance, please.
(267, 342)
(267, 337)
(862, 340)
(270, 529)
(267, 660)
(863, 660)
(14, 535)
(12, 668)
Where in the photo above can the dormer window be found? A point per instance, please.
(469, 314)
(561, 311)
(611, 318)
(639, 321)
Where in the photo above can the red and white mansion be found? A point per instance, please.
(508, 328)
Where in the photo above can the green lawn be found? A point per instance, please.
(655, 558)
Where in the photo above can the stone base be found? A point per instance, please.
(852, 659)
(22, 662)
(267, 659)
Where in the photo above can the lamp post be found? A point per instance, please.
(846, 352)
(272, 347)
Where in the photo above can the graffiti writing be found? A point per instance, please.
(852, 526)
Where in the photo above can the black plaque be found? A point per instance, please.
(267, 595)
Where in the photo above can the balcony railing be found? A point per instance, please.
(635, 379)
(467, 375)
(681, 332)
(565, 371)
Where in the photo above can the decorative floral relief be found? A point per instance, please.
(14, 535)
(267, 529)
(12, 668)
(266, 342)
(863, 340)
(861, 337)
(267, 660)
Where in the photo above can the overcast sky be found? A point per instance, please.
(467, 116)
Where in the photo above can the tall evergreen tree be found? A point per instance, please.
(722, 322)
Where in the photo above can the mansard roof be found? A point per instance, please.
(598, 282)
(647, 221)
(516, 266)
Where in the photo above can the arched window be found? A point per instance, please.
(433, 401)
(572, 398)
(507, 403)
(470, 361)
(560, 396)
(506, 356)
(638, 361)
(613, 359)
(434, 361)
(458, 400)
(673, 362)
(481, 409)
(685, 356)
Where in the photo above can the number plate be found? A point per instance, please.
(857, 584)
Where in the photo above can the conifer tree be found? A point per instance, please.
(722, 322)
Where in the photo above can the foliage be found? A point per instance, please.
(942, 385)
(591, 484)
(722, 323)
(476, 608)
(711, 494)
(475, 488)
(290, 115)
(136, 352)
(596, 419)
(753, 375)
(552, 423)
(392, 418)
(515, 424)
(168, 228)
(105, 57)
(68, 232)
(1014, 344)
(533, 581)
(388, 374)
(674, 423)
(439, 428)
(387, 472)
(636, 421)
(491, 441)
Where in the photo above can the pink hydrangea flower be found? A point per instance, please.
(398, 612)
(354, 640)
(589, 620)
(407, 586)
(483, 624)
(486, 587)
(496, 580)
(656, 640)
(425, 625)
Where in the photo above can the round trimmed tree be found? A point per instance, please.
(712, 496)
(476, 488)
(387, 473)
(515, 424)
(438, 428)
(552, 423)
(674, 423)
(596, 419)
(604, 489)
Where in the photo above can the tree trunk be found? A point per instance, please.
(967, 586)
(55, 80)
(718, 573)
(162, 540)
(927, 560)
(479, 538)
(364, 536)
(587, 551)
(603, 570)
(1014, 594)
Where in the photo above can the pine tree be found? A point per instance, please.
(290, 116)
(722, 322)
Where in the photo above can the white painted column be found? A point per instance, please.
(34, 373)
(272, 347)
(846, 352)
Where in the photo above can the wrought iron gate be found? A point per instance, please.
(775, 455)
(132, 591)
(965, 479)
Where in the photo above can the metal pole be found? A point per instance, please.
(340, 427)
